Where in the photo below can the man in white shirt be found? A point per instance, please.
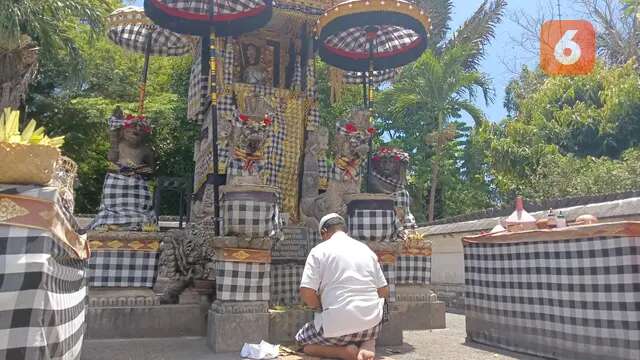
(343, 280)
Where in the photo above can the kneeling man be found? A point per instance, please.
(343, 280)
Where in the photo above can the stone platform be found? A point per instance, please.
(136, 313)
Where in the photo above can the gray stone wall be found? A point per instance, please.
(452, 295)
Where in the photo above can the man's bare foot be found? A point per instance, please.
(364, 354)
(351, 352)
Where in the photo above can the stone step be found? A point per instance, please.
(136, 313)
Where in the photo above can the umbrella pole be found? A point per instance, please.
(209, 58)
(145, 72)
(368, 79)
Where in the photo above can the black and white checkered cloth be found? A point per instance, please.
(572, 299)
(296, 82)
(43, 297)
(198, 88)
(228, 62)
(390, 274)
(390, 38)
(412, 269)
(379, 77)
(323, 173)
(242, 281)
(250, 217)
(123, 268)
(275, 149)
(402, 199)
(133, 37)
(312, 86)
(126, 201)
(285, 284)
(373, 225)
(308, 335)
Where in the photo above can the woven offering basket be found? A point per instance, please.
(27, 164)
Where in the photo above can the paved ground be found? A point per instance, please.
(443, 344)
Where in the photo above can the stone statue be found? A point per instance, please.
(352, 146)
(389, 176)
(254, 73)
(250, 133)
(127, 201)
(129, 154)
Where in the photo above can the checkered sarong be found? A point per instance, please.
(43, 297)
(308, 335)
(133, 37)
(285, 284)
(412, 269)
(242, 281)
(569, 299)
(126, 201)
(123, 268)
(373, 225)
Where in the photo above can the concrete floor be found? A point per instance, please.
(443, 344)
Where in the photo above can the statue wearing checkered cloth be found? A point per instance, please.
(127, 202)
(389, 176)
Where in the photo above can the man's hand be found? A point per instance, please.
(311, 298)
(383, 292)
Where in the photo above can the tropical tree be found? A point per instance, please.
(30, 28)
(418, 109)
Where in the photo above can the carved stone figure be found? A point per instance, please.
(249, 137)
(129, 153)
(127, 202)
(345, 178)
(254, 73)
(389, 176)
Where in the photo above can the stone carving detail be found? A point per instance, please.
(240, 307)
(254, 73)
(352, 146)
(129, 152)
(250, 133)
(186, 256)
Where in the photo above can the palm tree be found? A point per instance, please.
(441, 85)
(32, 27)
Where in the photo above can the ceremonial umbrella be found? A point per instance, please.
(130, 29)
(372, 37)
(208, 18)
(369, 36)
(199, 17)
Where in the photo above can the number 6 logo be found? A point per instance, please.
(567, 47)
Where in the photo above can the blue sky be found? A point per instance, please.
(503, 55)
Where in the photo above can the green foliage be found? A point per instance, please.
(594, 115)
(78, 104)
(564, 176)
(567, 135)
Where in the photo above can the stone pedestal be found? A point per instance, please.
(136, 313)
(418, 309)
(231, 324)
(284, 325)
(121, 259)
(391, 333)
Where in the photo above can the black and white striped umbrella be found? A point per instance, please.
(199, 17)
(359, 35)
(130, 29)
